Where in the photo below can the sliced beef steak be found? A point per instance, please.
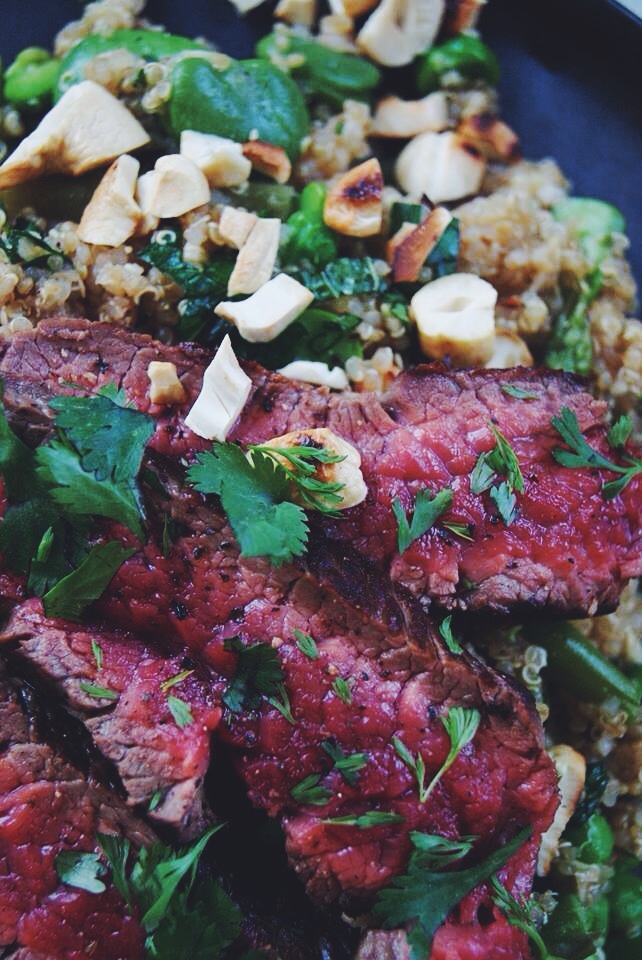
(119, 687)
(569, 550)
(46, 807)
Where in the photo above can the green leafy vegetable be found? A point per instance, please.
(256, 499)
(348, 764)
(345, 277)
(258, 674)
(426, 510)
(342, 689)
(445, 630)
(69, 597)
(442, 259)
(500, 461)
(519, 915)
(310, 791)
(520, 393)
(307, 238)
(81, 870)
(180, 711)
(306, 645)
(101, 693)
(424, 895)
(25, 243)
(373, 818)
(582, 454)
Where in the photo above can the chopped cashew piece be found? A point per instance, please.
(112, 215)
(223, 395)
(243, 6)
(256, 259)
(407, 118)
(455, 317)
(144, 189)
(297, 11)
(86, 128)
(406, 252)
(235, 225)
(164, 385)
(267, 313)
(268, 159)
(346, 471)
(440, 165)
(314, 371)
(398, 30)
(176, 187)
(509, 351)
(354, 204)
(220, 159)
(491, 136)
(461, 15)
(571, 771)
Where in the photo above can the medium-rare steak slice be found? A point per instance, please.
(569, 551)
(119, 686)
(46, 806)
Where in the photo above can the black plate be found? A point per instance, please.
(571, 78)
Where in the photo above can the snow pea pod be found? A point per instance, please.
(30, 79)
(577, 664)
(148, 44)
(461, 60)
(323, 72)
(244, 98)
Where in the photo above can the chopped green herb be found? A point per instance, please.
(69, 597)
(461, 726)
(463, 530)
(512, 390)
(500, 461)
(300, 464)
(342, 689)
(348, 764)
(620, 432)
(155, 799)
(306, 645)
(446, 632)
(373, 818)
(415, 764)
(180, 711)
(582, 454)
(100, 693)
(282, 703)
(423, 896)
(570, 346)
(519, 915)
(178, 678)
(256, 498)
(97, 652)
(310, 791)
(425, 511)
(442, 259)
(258, 674)
(81, 870)
(505, 501)
(25, 243)
(344, 277)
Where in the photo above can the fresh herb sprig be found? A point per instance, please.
(427, 508)
(519, 915)
(499, 462)
(422, 897)
(310, 790)
(258, 675)
(461, 726)
(582, 454)
(364, 821)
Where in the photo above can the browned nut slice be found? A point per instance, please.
(440, 165)
(164, 385)
(406, 252)
(492, 136)
(571, 771)
(268, 159)
(112, 215)
(406, 118)
(346, 471)
(220, 159)
(86, 128)
(354, 204)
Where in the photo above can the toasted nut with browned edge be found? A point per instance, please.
(491, 136)
(440, 165)
(455, 317)
(571, 771)
(400, 29)
(112, 215)
(346, 471)
(406, 252)
(407, 118)
(461, 15)
(297, 11)
(164, 385)
(268, 159)
(354, 204)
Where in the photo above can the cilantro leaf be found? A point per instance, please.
(258, 674)
(301, 465)
(348, 764)
(69, 597)
(505, 501)
(620, 431)
(582, 454)
(424, 896)
(80, 870)
(255, 497)
(199, 927)
(16, 459)
(426, 510)
(306, 645)
(500, 461)
(180, 711)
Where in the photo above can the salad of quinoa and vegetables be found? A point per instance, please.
(321, 481)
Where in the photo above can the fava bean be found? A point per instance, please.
(464, 58)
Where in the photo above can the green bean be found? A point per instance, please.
(460, 61)
(576, 664)
(31, 78)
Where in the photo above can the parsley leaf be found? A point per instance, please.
(500, 461)
(505, 501)
(200, 927)
(69, 597)
(255, 497)
(424, 896)
(309, 790)
(582, 454)
(258, 674)
(80, 870)
(373, 818)
(306, 645)
(348, 764)
(446, 633)
(180, 711)
(426, 510)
